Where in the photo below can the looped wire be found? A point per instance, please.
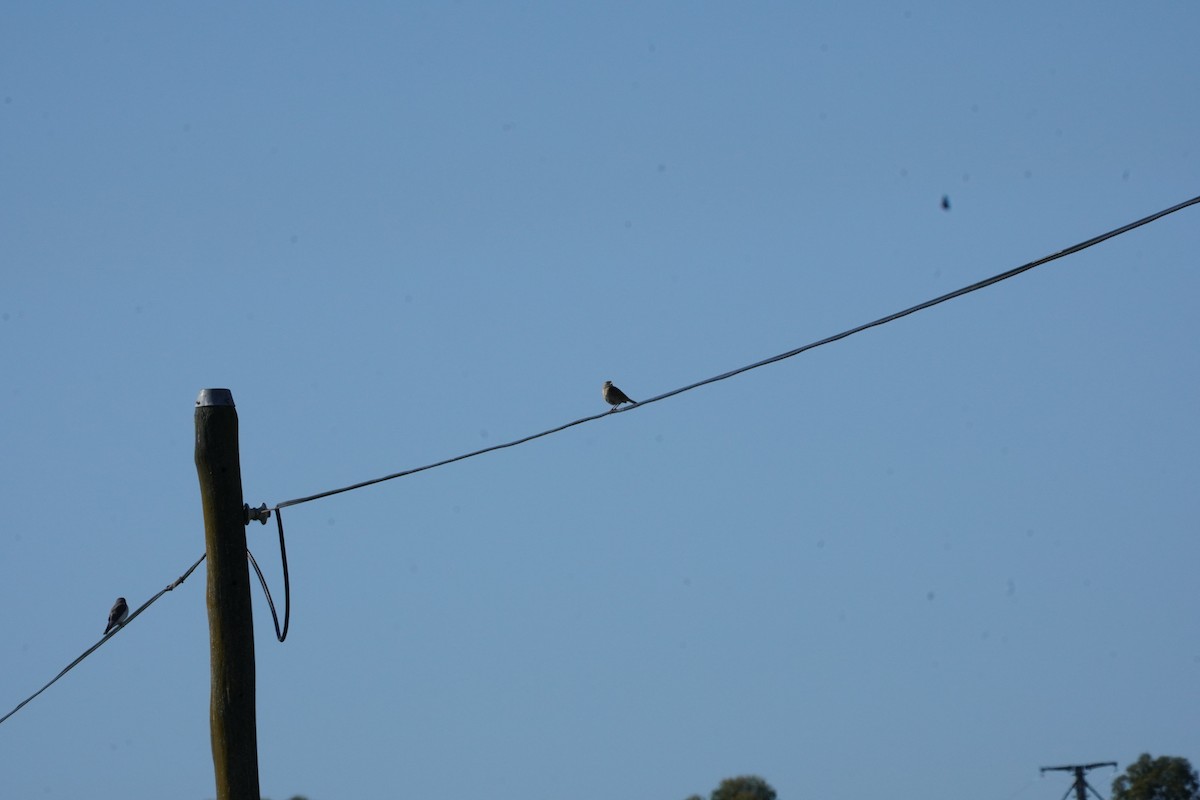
(280, 634)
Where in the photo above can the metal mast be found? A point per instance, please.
(1081, 786)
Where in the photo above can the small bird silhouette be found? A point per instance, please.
(614, 396)
(945, 202)
(120, 611)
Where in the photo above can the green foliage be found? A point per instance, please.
(1163, 778)
(744, 787)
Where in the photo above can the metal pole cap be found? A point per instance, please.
(214, 397)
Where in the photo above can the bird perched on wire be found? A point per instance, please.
(120, 611)
(614, 396)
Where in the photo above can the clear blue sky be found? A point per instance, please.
(925, 560)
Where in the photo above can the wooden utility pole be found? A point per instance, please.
(230, 621)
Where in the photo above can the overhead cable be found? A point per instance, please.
(105, 638)
(1003, 276)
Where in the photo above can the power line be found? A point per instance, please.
(1003, 276)
(281, 633)
(105, 638)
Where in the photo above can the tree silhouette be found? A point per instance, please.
(744, 787)
(1162, 778)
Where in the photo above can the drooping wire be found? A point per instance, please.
(106, 637)
(1003, 276)
(287, 586)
